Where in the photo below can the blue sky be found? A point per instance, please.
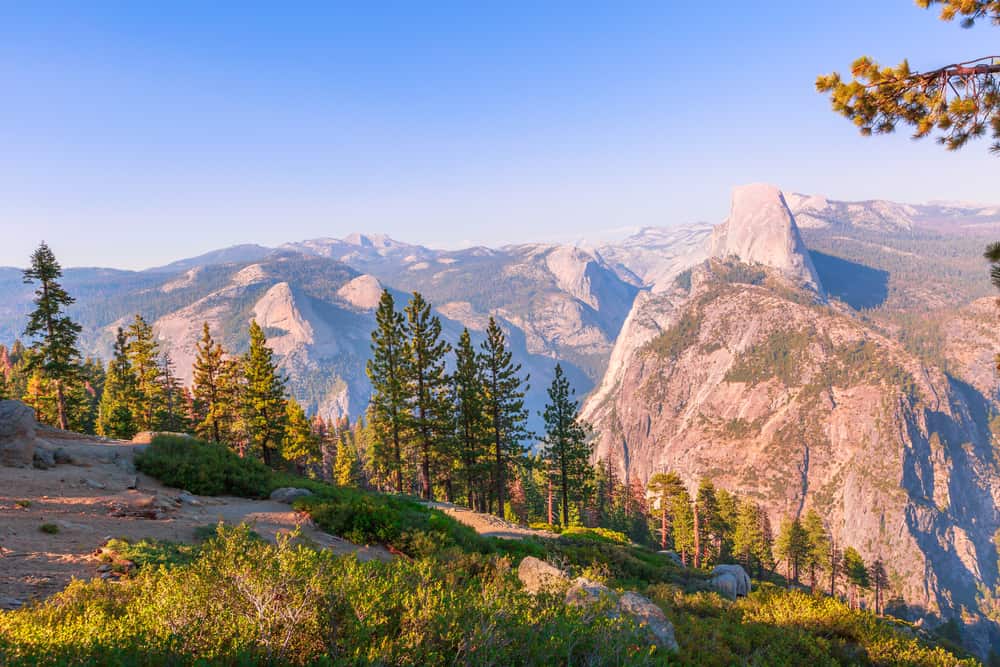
(132, 134)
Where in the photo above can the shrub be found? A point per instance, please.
(596, 535)
(204, 468)
(49, 528)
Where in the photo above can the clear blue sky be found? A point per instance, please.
(132, 134)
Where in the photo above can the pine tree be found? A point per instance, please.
(388, 370)
(752, 539)
(54, 355)
(298, 444)
(708, 528)
(503, 392)
(427, 387)
(470, 419)
(207, 385)
(263, 398)
(115, 418)
(856, 573)
(564, 445)
(793, 546)
(879, 581)
(143, 354)
(173, 413)
(682, 519)
(664, 487)
(834, 560)
(819, 545)
(958, 101)
(347, 468)
(728, 515)
(231, 398)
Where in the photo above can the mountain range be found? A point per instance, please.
(810, 353)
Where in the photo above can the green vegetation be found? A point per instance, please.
(682, 335)
(780, 355)
(49, 528)
(204, 468)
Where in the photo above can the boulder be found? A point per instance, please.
(536, 575)
(17, 434)
(585, 591)
(651, 617)
(61, 456)
(731, 580)
(43, 459)
(289, 494)
(673, 556)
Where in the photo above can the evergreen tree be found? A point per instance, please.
(298, 444)
(115, 418)
(263, 398)
(231, 399)
(564, 445)
(958, 101)
(429, 414)
(143, 354)
(664, 487)
(834, 561)
(54, 355)
(879, 581)
(728, 514)
(207, 385)
(173, 414)
(819, 545)
(793, 546)
(470, 419)
(388, 371)
(708, 528)
(503, 393)
(752, 539)
(347, 468)
(682, 518)
(855, 572)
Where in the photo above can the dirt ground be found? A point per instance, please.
(98, 496)
(487, 524)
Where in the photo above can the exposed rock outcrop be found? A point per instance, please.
(289, 494)
(17, 434)
(731, 580)
(536, 575)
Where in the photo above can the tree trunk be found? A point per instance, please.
(61, 406)
(549, 498)
(565, 494)
(697, 538)
(663, 523)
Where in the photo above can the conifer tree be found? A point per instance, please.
(959, 102)
(388, 371)
(54, 355)
(728, 514)
(143, 354)
(298, 444)
(564, 444)
(664, 487)
(834, 561)
(427, 387)
(879, 581)
(207, 387)
(173, 414)
(819, 545)
(347, 468)
(263, 398)
(470, 418)
(682, 518)
(855, 572)
(708, 528)
(231, 399)
(115, 418)
(752, 540)
(793, 546)
(503, 394)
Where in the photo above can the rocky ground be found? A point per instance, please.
(96, 494)
(487, 524)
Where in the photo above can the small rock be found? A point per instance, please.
(587, 592)
(134, 483)
(43, 459)
(104, 568)
(288, 494)
(63, 457)
(188, 498)
(536, 575)
(651, 617)
(10, 603)
(93, 484)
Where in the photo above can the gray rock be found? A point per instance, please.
(188, 499)
(673, 556)
(585, 591)
(93, 484)
(536, 575)
(43, 459)
(17, 434)
(62, 457)
(731, 580)
(289, 494)
(650, 616)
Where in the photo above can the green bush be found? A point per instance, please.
(596, 535)
(204, 468)
(49, 528)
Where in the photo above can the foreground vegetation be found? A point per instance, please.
(450, 597)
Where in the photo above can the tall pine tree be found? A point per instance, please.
(388, 370)
(54, 353)
(504, 406)
(115, 419)
(427, 387)
(564, 445)
(470, 421)
(207, 387)
(144, 355)
(263, 398)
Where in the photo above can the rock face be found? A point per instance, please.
(761, 230)
(17, 434)
(731, 580)
(536, 575)
(650, 616)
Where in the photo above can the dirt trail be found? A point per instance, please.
(487, 524)
(100, 495)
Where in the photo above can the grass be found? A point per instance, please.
(49, 528)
